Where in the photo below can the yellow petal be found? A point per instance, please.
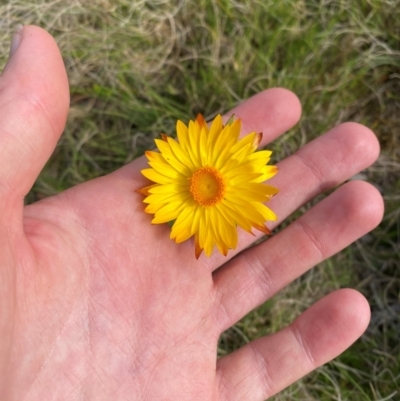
(194, 139)
(181, 156)
(153, 208)
(227, 138)
(234, 215)
(168, 188)
(169, 153)
(198, 249)
(181, 229)
(168, 212)
(205, 152)
(265, 211)
(209, 240)
(245, 178)
(200, 121)
(219, 231)
(213, 134)
(167, 170)
(155, 176)
(167, 198)
(182, 134)
(262, 228)
(245, 145)
(146, 190)
(245, 209)
(202, 231)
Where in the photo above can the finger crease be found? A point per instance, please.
(259, 272)
(315, 171)
(312, 237)
(263, 371)
(303, 344)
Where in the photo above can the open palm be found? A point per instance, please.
(98, 304)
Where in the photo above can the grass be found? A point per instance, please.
(137, 66)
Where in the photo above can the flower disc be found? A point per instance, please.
(207, 186)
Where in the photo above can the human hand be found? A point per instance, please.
(98, 304)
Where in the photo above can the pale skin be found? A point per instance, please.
(98, 304)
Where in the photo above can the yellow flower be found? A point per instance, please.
(208, 183)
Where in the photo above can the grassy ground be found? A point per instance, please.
(137, 66)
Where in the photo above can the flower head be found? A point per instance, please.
(208, 183)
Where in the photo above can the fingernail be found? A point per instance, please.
(16, 40)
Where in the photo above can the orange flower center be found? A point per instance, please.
(207, 186)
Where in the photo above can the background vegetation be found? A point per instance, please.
(135, 66)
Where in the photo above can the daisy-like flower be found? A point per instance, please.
(208, 183)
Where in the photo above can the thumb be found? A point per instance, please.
(34, 100)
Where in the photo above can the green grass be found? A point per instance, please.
(135, 67)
